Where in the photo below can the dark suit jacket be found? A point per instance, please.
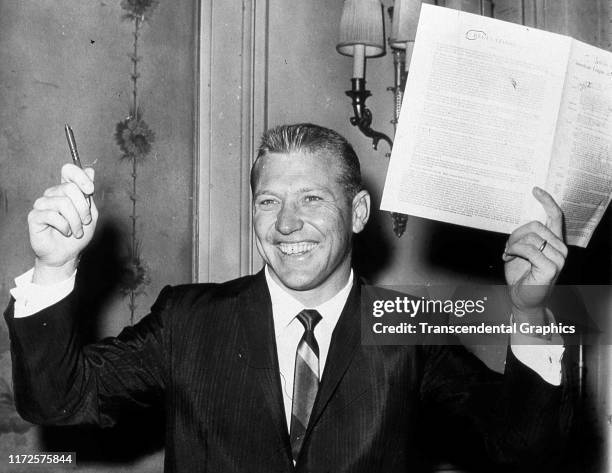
(206, 354)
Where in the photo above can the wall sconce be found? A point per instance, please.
(362, 35)
(405, 17)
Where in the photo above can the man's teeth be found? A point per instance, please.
(296, 248)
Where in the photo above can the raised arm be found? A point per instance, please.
(58, 379)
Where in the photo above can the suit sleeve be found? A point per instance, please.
(59, 381)
(515, 420)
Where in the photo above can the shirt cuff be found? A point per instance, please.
(31, 298)
(545, 360)
(542, 356)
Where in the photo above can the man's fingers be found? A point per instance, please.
(543, 232)
(548, 250)
(543, 266)
(554, 213)
(42, 219)
(81, 177)
(65, 208)
(80, 202)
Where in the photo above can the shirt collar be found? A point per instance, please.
(285, 307)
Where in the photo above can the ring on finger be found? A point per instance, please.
(542, 246)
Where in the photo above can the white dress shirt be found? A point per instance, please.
(545, 360)
(288, 331)
(31, 298)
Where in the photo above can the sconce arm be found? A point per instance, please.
(362, 116)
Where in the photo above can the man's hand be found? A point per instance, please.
(61, 224)
(534, 257)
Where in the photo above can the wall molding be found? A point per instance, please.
(231, 115)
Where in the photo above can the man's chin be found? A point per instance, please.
(297, 282)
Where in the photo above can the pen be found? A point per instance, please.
(74, 152)
(72, 145)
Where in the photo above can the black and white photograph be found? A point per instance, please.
(318, 236)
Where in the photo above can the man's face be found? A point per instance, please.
(304, 223)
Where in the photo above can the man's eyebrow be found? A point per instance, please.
(301, 190)
(263, 192)
(304, 190)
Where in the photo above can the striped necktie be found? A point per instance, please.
(305, 380)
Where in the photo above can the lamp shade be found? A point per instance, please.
(405, 19)
(362, 23)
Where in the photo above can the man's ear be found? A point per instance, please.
(361, 210)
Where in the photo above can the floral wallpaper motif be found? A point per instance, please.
(135, 139)
(138, 9)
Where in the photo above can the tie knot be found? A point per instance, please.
(309, 319)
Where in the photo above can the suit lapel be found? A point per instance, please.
(344, 342)
(255, 309)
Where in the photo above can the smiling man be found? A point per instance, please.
(307, 203)
(266, 373)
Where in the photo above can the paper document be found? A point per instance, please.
(492, 109)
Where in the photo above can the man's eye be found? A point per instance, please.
(267, 202)
(312, 198)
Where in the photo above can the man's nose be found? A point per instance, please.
(288, 219)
